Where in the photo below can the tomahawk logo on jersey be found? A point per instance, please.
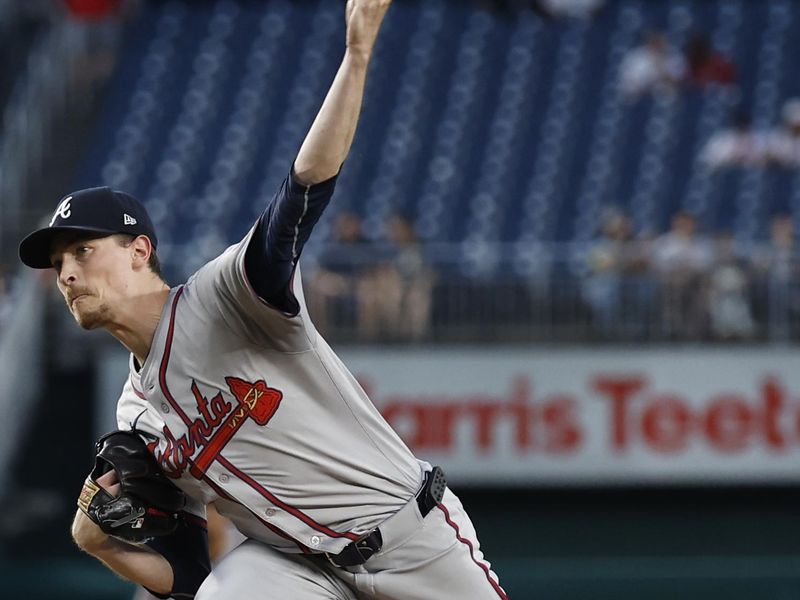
(210, 431)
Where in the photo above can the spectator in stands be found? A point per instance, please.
(334, 285)
(681, 259)
(706, 65)
(395, 299)
(652, 67)
(100, 23)
(416, 276)
(739, 145)
(777, 272)
(729, 309)
(612, 287)
(784, 142)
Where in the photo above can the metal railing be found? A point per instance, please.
(547, 293)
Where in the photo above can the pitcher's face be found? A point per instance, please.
(93, 276)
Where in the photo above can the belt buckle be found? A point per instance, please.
(332, 559)
(359, 551)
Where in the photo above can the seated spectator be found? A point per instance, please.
(784, 142)
(737, 146)
(777, 272)
(681, 260)
(332, 287)
(612, 286)
(652, 67)
(395, 298)
(705, 65)
(777, 256)
(729, 309)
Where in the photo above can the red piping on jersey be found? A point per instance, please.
(495, 585)
(138, 393)
(162, 372)
(279, 532)
(291, 510)
(162, 379)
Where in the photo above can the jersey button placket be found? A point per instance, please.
(315, 540)
(224, 478)
(164, 407)
(270, 512)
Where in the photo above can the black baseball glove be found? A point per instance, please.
(148, 503)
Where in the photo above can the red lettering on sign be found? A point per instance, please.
(670, 423)
(729, 423)
(430, 423)
(640, 418)
(561, 425)
(665, 423)
(522, 413)
(619, 391)
(773, 399)
(485, 416)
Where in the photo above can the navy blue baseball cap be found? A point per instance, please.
(101, 211)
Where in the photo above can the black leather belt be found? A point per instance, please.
(358, 552)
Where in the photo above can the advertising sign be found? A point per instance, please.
(506, 416)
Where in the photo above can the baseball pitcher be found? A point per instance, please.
(234, 398)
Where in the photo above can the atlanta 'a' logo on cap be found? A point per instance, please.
(64, 210)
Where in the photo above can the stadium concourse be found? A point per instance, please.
(560, 259)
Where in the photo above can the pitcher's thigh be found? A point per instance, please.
(254, 571)
(443, 560)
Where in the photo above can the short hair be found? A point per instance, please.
(126, 239)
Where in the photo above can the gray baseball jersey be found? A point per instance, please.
(249, 407)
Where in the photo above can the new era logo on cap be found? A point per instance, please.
(95, 211)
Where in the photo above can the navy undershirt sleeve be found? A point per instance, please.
(186, 551)
(280, 234)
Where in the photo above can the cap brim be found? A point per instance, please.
(34, 250)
